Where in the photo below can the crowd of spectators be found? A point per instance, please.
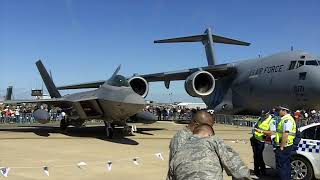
(170, 112)
(23, 113)
(303, 117)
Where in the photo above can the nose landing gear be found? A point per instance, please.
(110, 129)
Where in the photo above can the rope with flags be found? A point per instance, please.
(81, 165)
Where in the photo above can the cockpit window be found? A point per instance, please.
(299, 64)
(312, 63)
(118, 81)
(292, 65)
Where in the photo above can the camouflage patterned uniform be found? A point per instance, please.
(205, 158)
(178, 140)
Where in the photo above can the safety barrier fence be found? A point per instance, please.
(236, 120)
(24, 118)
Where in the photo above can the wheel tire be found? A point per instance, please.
(63, 124)
(301, 168)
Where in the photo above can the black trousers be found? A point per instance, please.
(283, 162)
(257, 148)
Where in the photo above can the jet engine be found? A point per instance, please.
(139, 85)
(200, 83)
(42, 116)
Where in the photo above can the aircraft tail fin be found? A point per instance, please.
(9, 93)
(51, 87)
(112, 78)
(207, 40)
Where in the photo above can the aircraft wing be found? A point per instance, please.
(94, 84)
(217, 71)
(53, 101)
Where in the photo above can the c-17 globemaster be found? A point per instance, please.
(114, 102)
(248, 86)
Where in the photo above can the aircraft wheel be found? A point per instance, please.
(63, 124)
(127, 130)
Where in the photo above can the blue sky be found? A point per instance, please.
(84, 40)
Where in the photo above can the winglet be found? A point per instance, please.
(51, 87)
(207, 39)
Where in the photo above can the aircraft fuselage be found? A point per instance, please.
(290, 78)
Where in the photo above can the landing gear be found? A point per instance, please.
(109, 129)
(129, 130)
(64, 124)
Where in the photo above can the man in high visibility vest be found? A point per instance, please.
(263, 128)
(285, 135)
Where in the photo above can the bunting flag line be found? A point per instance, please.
(109, 165)
(135, 161)
(46, 170)
(5, 171)
(81, 165)
(159, 155)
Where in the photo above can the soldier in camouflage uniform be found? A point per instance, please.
(204, 157)
(183, 135)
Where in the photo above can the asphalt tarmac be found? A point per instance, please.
(26, 149)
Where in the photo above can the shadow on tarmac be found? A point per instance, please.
(97, 132)
(271, 175)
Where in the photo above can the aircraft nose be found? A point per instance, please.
(134, 98)
(312, 87)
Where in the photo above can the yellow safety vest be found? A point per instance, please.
(292, 132)
(264, 126)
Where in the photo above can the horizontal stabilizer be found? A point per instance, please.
(201, 38)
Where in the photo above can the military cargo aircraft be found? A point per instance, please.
(114, 102)
(247, 86)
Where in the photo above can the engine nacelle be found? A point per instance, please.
(144, 117)
(139, 85)
(41, 115)
(200, 83)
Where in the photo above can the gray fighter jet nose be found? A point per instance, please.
(134, 98)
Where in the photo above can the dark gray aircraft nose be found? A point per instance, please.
(311, 86)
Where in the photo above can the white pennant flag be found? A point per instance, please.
(81, 164)
(46, 170)
(135, 161)
(109, 165)
(5, 171)
(159, 155)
